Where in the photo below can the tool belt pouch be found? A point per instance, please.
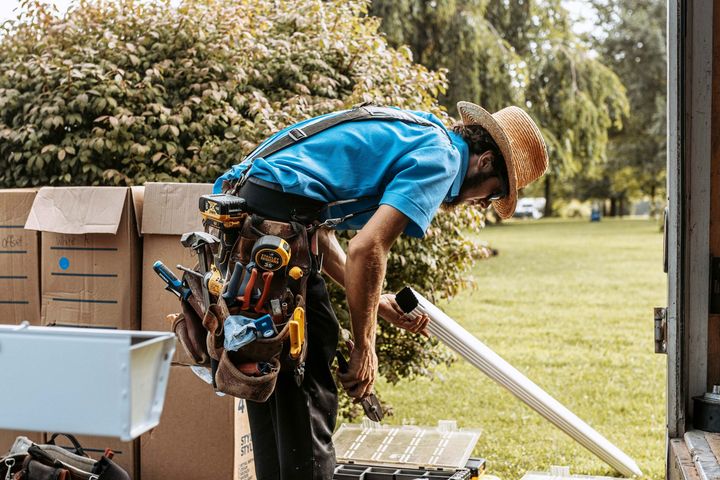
(189, 329)
(30, 461)
(229, 377)
(213, 321)
(232, 381)
(276, 349)
(35, 470)
(188, 325)
(283, 288)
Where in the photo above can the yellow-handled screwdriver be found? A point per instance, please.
(297, 332)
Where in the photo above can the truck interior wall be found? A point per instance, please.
(697, 152)
(713, 358)
(673, 229)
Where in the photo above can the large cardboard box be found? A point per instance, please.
(90, 256)
(169, 210)
(19, 259)
(7, 438)
(201, 436)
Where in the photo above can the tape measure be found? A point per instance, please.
(270, 253)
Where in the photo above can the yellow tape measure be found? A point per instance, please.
(271, 253)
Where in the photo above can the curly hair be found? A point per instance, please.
(479, 141)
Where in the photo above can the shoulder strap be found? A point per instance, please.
(356, 114)
(295, 135)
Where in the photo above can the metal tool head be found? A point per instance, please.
(370, 404)
(200, 242)
(195, 240)
(373, 409)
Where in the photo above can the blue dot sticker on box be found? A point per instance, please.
(64, 263)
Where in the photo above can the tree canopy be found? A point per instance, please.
(520, 52)
(631, 41)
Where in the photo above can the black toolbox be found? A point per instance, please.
(351, 471)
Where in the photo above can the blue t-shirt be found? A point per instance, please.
(410, 167)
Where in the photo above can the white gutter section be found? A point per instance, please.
(490, 363)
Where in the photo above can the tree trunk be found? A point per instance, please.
(613, 206)
(653, 210)
(548, 198)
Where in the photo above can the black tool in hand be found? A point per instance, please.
(371, 405)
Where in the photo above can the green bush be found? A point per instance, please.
(123, 92)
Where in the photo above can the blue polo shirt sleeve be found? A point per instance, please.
(421, 180)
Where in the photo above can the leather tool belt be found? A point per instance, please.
(244, 365)
(260, 292)
(29, 461)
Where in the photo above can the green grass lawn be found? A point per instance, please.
(569, 304)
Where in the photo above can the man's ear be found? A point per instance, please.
(485, 161)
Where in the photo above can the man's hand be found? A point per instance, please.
(358, 381)
(391, 311)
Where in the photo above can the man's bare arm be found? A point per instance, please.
(364, 275)
(334, 257)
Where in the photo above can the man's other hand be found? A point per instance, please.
(362, 370)
(391, 311)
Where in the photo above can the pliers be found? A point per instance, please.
(370, 403)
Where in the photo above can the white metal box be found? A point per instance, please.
(83, 380)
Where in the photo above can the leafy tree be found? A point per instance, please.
(123, 92)
(631, 40)
(455, 35)
(540, 63)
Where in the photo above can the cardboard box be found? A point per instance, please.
(198, 435)
(19, 259)
(90, 256)
(244, 459)
(7, 438)
(169, 210)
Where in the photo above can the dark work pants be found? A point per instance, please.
(292, 430)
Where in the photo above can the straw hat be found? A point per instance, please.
(520, 143)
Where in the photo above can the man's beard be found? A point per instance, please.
(469, 183)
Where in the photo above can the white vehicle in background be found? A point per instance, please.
(530, 207)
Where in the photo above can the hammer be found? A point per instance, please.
(200, 242)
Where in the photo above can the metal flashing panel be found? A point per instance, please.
(83, 380)
(490, 363)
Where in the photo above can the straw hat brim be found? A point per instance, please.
(472, 114)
